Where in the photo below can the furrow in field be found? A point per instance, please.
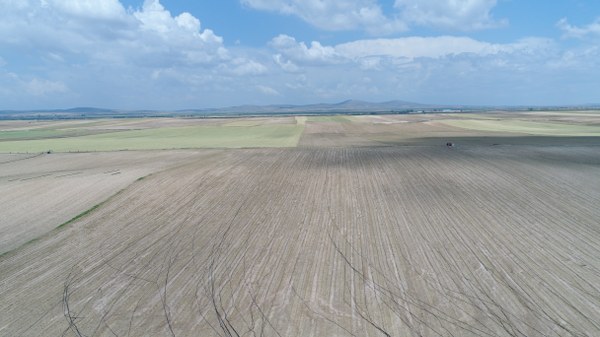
(324, 242)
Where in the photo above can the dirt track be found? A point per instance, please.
(409, 241)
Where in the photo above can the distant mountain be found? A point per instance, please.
(86, 110)
(356, 104)
(346, 107)
(349, 106)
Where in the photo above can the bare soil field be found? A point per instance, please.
(371, 226)
(488, 129)
(40, 192)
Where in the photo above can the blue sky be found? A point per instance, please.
(175, 54)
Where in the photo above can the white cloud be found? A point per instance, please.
(334, 14)
(453, 14)
(13, 85)
(413, 47)
(370, 52)
(103, 30)
(301, 53)
(445, 69)
(592, 29)
(286, 65)
(182, 34)
(408, 60)
(587, 57)
(188, 21)
(110, 53)
(371, 63)
(368, 15)
(148, 57)
(243, 67)
(181, 29)
(41, 87)
(154, 17)
(91, 9)
(267, 90)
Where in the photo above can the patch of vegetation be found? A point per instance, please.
(301, 120)
(81, 215)
(77, 217)
(526, 127)
(86, 212)
(331, 119)
(38, 134)
(167, 138)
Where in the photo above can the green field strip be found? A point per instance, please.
(284, 135)
(330, 119)
(526, 127)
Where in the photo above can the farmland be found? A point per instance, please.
(149, 137)
(318, 226)
(48, 190)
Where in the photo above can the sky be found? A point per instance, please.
(180, 54)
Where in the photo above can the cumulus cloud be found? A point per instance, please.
(412, 47)
(266, 90)
(370, 52)
(65, 25)
(98, 52)
(453, 14)
(42, 87)
(76, 42)
(181, 29)
(592, 29)
(162, 39)
(285, 64)
(242, 67)
(444, 68)
(34, 86)
(300, 52)
(104, 31)
(90, 9)
(334, 15)
(368, 15)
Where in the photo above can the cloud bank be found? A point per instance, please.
(368, 15)
(461, 15)
(589, 30)
(103, 41)
(64, 53)
(333, 15)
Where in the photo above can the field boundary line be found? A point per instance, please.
(99, 205)
(75, 218)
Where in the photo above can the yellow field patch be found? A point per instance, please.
(525, 127)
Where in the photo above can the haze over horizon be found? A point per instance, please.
(134, 54)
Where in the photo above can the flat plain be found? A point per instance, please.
(294, 226)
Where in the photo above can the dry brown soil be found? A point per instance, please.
(350, 234)
(40, 192)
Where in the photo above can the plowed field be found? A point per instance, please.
(323, 240)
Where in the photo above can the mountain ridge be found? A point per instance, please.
(350, 106)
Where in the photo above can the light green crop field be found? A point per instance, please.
(301, 120)
(173, 133)
(583, 113)
(165, 138)
(526, 127)
(331, 119)
(244, 123)
(39, 134)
